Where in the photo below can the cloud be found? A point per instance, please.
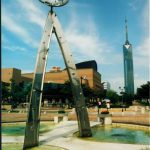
(145, 17)
(134, 4)
(32, 12)
(139, 82)
(27, 71)
(142, 50)
(4, 39)
(116, 82)
(15, 48)
(10, 23)
(21, 23)
(86, 42)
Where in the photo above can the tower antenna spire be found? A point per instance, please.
(126, 29)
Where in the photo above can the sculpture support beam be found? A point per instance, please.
(81, 110)
(33, 121)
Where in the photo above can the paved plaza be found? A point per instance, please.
(62, 136)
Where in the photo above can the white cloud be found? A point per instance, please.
(116, 82)
(4, 39)
(15, 48)
(142, 52)
(139, 82)
(27, 71)
(20, 23)
(134, 4)
(11, 24)
(145, 18)
(86, 43)
(144, 48)
(32, 12)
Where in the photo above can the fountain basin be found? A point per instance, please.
(127, 134)
(16, 146)
(18, 129)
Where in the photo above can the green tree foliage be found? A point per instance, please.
(127, 98)
(5, 92)
(87, 91)
(112, 95)
(14, 93)
(27, 89)
(66, 90)
(144, 91)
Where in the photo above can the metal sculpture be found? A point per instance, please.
(33, 122)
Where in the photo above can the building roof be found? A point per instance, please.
(87, 64)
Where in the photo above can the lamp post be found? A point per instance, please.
(121, 92)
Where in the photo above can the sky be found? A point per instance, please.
(94, 29)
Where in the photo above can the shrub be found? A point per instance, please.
(61, 111)
(14, 111)
(105, 112)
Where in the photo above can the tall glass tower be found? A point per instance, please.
(128, 65)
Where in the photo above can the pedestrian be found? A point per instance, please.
(108, 105)
(99, 106)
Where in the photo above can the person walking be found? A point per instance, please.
(108, 105)
(99, 106)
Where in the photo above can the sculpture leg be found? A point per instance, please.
(81, 110)
(33, 120)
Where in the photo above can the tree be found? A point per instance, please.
(66, 91)
(19, 92)
(5, 92)
(112, 95)
(27, 88)
(127, 98)
(87, 91)
(16, 94)
(144, 91)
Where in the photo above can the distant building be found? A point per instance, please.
(128, 65)
(9, 74)
(107, 86)
(87, 72)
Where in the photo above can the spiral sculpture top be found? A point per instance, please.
(54, 3)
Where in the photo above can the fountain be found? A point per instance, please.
(119, 133)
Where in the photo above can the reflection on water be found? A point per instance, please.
(18, 129)
(119, 135)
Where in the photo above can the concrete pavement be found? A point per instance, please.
(62, 136)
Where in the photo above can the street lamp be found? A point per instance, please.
(122, 91)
